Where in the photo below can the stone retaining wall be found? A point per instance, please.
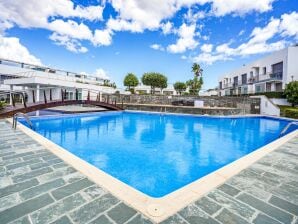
(246, 104)
(184, 110)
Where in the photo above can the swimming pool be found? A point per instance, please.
(158, 153)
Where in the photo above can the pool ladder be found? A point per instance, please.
(287, 127)
(15, 120)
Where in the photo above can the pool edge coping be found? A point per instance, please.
(157, 209)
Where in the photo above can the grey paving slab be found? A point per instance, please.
(38, 187)
(101, 219)
(121, 213)
(87, 212)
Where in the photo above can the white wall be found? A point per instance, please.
(267, 106)
(280, 101)
(292, 64)
(290, 67)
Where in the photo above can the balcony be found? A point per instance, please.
(276, 76)
(235, 84)
(227, 85)
(271, 76)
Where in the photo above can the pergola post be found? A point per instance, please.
(51, 98)
(77, 95)
(65, 94)
(88, 96)
(24, 100)
(33, 96)
(12, 100)
(62, 95)
(44, 96)
(10, 94)
(37, 93)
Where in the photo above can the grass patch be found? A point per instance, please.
(288, 111)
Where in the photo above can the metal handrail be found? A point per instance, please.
(15, 119)
(287, 127)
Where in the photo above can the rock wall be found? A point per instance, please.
(246, 104)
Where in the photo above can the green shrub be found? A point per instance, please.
(288, 111)
(291, 113)
(270, 94)
(291, 92)
(2, 104)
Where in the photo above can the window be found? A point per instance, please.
(264, 70)
(260, 88)
(244, 78)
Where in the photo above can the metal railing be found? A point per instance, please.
(15, 120)
(51, 71)
(287, 127)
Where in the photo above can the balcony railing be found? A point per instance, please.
(227, 85)
(276, 76)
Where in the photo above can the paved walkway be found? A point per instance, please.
(38, 187)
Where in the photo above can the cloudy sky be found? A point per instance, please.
(114, 37)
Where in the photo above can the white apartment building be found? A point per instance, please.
(143, 89)
(268, 74)
(37, 81)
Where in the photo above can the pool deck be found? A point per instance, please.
(38, 187)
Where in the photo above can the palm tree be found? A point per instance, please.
(196, 69)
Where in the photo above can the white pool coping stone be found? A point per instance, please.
(158, 209)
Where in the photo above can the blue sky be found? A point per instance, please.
(114, 37)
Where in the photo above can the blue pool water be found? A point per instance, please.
(158, 153)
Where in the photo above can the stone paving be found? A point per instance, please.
(38, 187)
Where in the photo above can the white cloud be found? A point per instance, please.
(167, 28)
(241, 32)
(240, 7)
(289, 24)
(32, 13)
(102, 37)
(132, 15)
(101, 73)
(186, 39)
(70, 44)
(11, 48)
(138, 15)
(207, 48)
(51, 15)
(157, 47)
(209, 59)
(193, 17)
(71, 29)
(124, 25)
(259, 41)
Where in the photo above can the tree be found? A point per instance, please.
(130, 80)
(194, 85)
(107, 82)
(197, 70)
(180, 87)
(291, 92)
(155, 80)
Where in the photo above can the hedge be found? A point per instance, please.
(291, 112)
(288, 111)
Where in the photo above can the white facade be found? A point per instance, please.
(268, 74)
(35, 81)
(209, 92)
(142, 89)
